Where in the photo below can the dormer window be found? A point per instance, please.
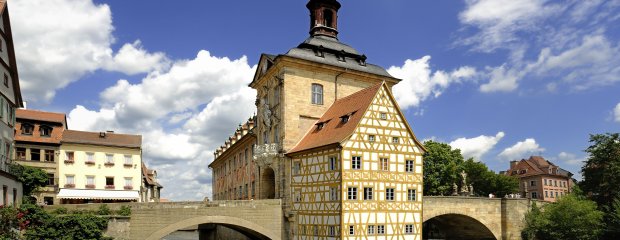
(320, 125)
(27, 129)
(344, 119)
(45, 131)
(523, 171)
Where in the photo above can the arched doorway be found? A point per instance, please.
(268, 183)
(455, 227)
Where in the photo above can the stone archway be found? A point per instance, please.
(456, 226)
(267, 183)
(253, 230)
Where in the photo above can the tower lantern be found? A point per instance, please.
(323, 17)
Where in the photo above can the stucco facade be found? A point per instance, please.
(107, 167)
(541, 179)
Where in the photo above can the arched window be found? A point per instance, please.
(328, 16)
(317, 94)
(27, 129)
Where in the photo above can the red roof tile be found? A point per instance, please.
(109, 139)
(57, 121)
(41, 116)
(333, 130)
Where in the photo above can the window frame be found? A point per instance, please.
(317, 94)
(368, 194)
(390, 194)
(352, 193)
(411, 195)
(409, 166)
(385, 164)
(356, 162)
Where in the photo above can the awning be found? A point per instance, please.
(97, 194)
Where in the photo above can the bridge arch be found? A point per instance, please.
(458, 225)
(247, 227)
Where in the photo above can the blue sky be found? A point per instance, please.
(500, 79)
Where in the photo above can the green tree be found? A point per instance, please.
(441, 168)
(612, 230)
(32, 178)
(601, 172)
(502, 185)
(571, 217)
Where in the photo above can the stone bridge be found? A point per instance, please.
(474, 218)
(444, 218)
(257, 219)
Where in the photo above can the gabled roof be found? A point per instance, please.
(537, 165)
(42, 116)
(147, 174)
(333, 130)
(102, 139)
(19, 102)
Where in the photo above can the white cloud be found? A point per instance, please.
(570, 40)
(501, 80)
(500, 20)
(617, 113)
(521, 150)
(419, 82)
(205, 98)
(477, 146)
(133, 59)
(570, 159)
(58, 42)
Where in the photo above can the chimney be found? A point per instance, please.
(513, 164)
(102, 134)
(25, 103)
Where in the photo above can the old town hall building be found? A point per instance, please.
(329, 140)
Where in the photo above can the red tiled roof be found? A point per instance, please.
(95, 138)
(536, 165)
(41, 115)
(57, 121)
(334, 131)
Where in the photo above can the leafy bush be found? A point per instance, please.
(60, 210)
(572, 217)
(8, 222)
(124, 211)
(104, 210)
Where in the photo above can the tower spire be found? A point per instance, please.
(323, 17)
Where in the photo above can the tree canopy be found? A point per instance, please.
(571, 217)
(601, 172)
(32, 178)
(442, 168)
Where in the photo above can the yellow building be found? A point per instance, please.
(99, 167)
(357, 174)
(331, 141)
